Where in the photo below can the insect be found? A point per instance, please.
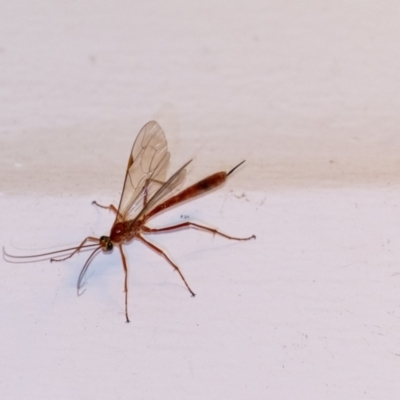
(146, 193)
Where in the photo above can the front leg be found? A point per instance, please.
(110, 207)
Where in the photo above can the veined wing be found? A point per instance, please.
(146, 170)
(173, 182)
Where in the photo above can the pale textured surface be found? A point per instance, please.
(308, 93)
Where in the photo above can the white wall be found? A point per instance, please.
(308, 93)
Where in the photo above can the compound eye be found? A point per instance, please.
(109, 246)
(102, 238)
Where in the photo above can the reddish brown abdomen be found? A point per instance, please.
(197, 189)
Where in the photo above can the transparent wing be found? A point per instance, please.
(173, 182)
(145, 172)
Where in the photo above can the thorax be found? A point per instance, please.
(125, 231)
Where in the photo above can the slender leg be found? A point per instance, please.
(110, 207)
(126, 281)
(193, 225)
(93, 239)
(159, 251)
